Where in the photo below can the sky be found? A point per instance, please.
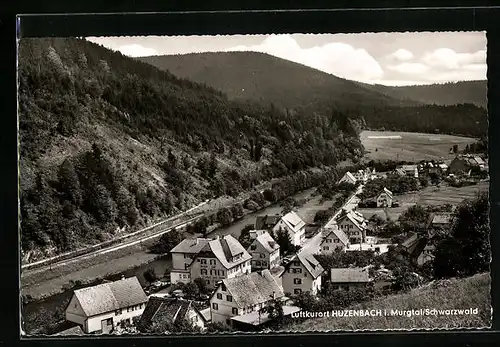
(393, 59)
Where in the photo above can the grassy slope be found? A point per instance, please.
(472, 292)
(262, 77)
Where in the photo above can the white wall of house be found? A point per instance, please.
(177, 276)
(348, 285)
(74, 312)
(222, 309)
(331, 244)
(262, 258)
(212, 270)
(347, 179)
(296, 279)
(384, 200)
(297, 237)
(195, 319)
(351, 230)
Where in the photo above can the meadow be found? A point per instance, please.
(467, 293)
(392, 145)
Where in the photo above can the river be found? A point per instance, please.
(306, 212)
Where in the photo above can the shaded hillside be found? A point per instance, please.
(262, 77)
(470, 92)
(109, 144)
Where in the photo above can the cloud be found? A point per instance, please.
(447, 58)
(336, 58)
(135, 50)
(409, 68)
(401, 55)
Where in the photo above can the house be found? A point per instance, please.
(333, 240)
(413, 246)
(171, 310)
(384, 198)
(439, 223)
(266, 222)
(426, 255)
(349, 278)
(462, 164)
(348, 178)
(354, 225)
(302, 274)
(410, 170)
(98, 309)
(74, 331)
(264, 250)
(242, 295)
(400, 172)
(182, 256)
(221, 258)
(362, 175)
(294, 226)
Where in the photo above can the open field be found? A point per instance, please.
(391, 145)
(460, 294)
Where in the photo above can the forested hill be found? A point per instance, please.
(262, 77)
(108, 144)
(267, 79)
(470, 92)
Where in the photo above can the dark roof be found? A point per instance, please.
(108, 297)
(267, 242)
(76, 330)
(266, 222)
(225, 248)
(192, 246)
(253, 288)
(160, 308)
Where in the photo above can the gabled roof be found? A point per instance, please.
(479, 160)
(349, 175)
(263, 222)
(410, 241)
(409, 167)
(442, 218)
(309, 262)
(355, 217)
(387, 191)
(77, 330)
(170, 309)
(225, 248)
(349, 275)
(277, 271)
(293, 221)
(334, 229)
(267, 242)
(108, 297)
(400, 171)
(192, 246)
(253, 288)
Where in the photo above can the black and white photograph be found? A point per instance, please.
(253, 183)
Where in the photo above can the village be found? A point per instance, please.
(225, 283)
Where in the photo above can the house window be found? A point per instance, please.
(215, 306)
(212, 261)
(253, 247)
(264, 263)
(223, 287)
(203, 261)
(297, 281)
(117, 312)
(222, 272)
(299, 270)
(109, 321)
(219, 296)
(297, 291)
(228, 321)
(203, 271)
(229, 298)
(235, 310)
(186, 266)
(257, 263)
(198, 260)
(305, 274)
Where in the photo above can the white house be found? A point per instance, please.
(333, 239)
(348, 178)
(99, 309)
(264, 250)
(349, 278)
(182, 256)
(354, 225)
(242, 295)
(362, 175)
(294, 226)
(171, 309)
(302, 274)
(410, 170)
(384, 198)
(221, 258)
